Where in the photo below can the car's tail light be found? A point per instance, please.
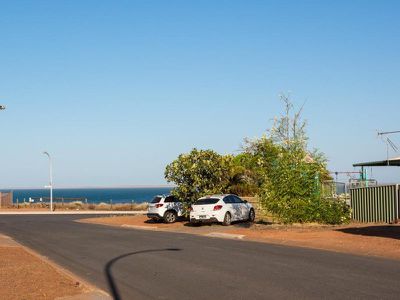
(159, 205)
(217, 207)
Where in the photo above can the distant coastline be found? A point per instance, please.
(91, 195)
(91, 187)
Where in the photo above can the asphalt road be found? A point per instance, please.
(161, 265)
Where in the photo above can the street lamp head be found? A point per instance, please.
(2, 107)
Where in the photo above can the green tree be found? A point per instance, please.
(243, 179)
(199, 173)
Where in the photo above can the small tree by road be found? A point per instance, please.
(199, 173)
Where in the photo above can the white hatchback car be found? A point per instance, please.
(221, 208)
(166, 208)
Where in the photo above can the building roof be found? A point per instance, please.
(381, 163)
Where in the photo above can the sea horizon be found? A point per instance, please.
(90, 195)
(88, 187)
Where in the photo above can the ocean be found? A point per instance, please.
(93, 195)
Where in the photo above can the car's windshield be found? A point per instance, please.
(206, 201)
(156, 200)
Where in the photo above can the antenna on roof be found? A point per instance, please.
(394, 147)
(388, 141)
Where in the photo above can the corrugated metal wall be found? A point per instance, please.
(376, 204)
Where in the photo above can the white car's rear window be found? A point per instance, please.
(156, 200)
(206, 201)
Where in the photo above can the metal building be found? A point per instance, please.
(379, 203)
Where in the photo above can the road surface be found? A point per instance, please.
(162, 265)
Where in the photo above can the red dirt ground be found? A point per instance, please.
(26, 276)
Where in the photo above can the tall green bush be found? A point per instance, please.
(291, 176)
(292, 189)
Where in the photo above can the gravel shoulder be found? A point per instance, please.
(380, 240)
(26, 275)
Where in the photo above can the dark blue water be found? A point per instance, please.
(94, 195)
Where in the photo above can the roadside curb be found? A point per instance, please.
(140, 227)
(221, 235)
(91, 292)
(6, 241)
(93, 295)
(225, 235)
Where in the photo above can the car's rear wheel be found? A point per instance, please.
(227, 219)
(252, 215)
(170, 216)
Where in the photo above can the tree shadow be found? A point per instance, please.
(385, 231)
(241, 224)
(201, 224)
(161, 221)
(263, 222)
(153, 221)
(107, 269)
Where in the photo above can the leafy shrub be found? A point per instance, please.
(199, 173)
(291, 176)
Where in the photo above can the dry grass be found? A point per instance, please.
(79, 205)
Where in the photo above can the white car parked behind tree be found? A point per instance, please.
(221, 208)
(166, 208)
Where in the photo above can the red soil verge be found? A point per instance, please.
(24, 275)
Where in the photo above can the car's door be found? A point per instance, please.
(236, 208)
(172, 202)
(179, 206)
(242, 207)
(230, 206)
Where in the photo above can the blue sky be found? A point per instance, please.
(115, 90)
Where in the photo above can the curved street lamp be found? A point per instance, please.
(51, 179)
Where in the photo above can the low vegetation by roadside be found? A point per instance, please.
(24, 275)
(374, 240)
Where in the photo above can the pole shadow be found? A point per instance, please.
(107, 269)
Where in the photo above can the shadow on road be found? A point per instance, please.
(107, 269)
(385, 231)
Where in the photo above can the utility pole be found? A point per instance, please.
(51, 179)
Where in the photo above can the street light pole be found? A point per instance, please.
(51, 179)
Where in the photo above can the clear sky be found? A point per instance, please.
(115, 90)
